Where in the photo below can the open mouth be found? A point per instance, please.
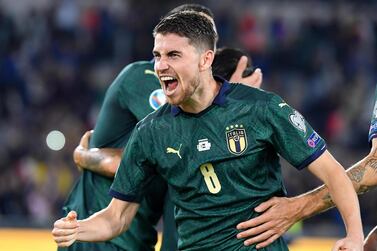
(170, 83)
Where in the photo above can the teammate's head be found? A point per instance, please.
(192, 7)
(201, 9)
(226, 60)
(201, 35)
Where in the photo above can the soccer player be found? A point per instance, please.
(279, 214)
(133, 94)
(217, 146)
(105, 161)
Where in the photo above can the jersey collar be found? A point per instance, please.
(219, 100)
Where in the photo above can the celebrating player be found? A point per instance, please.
(134, 93)
(217, 147)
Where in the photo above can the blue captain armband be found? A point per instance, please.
(372, 131)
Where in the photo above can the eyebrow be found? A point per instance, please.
(174, 52)
(169, 52)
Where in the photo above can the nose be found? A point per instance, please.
(160, 65)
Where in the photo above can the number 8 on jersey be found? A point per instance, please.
(210, 177)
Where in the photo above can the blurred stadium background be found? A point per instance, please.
(57, 58)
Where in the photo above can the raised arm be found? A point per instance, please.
(104, 161)
(279, 214)
(101, 226)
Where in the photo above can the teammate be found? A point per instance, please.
(216, 145)
(280, 213)
(134, 93)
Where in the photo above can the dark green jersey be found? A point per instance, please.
(219, 164)
(134, 93)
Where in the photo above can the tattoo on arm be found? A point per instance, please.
(93, 161)
(373, 164)
(103, 161)
(356, 175)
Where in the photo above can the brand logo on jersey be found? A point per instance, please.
(281, 105)
(236, 139)
(203, 145)
(150, 72)
(157, 99)
(174, 151)
(298, 121)
(313, 140)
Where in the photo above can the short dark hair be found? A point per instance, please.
(192, 7)
(193, 25)
(226, 60)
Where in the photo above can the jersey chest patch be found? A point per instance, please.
(236, 139)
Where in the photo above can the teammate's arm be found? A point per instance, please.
(279, 214)
(104, 161)
(101, 226)
(338, 185)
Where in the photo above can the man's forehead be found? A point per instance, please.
(170, 41)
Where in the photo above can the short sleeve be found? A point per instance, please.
(134, 171)
(291, 135)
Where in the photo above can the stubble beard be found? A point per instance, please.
(187, 94)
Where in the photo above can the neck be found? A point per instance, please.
(203, 95)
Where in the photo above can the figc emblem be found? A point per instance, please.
(236, 139)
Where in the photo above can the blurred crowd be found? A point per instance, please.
(58, 57)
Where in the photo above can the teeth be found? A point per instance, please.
(166, 78)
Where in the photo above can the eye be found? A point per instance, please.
(173, 55)
(156, 57)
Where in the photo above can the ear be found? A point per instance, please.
(206, 60)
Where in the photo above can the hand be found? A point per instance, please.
(278, 215)
(83, 146)
(65, 230)
(254, 80)
(348, 244)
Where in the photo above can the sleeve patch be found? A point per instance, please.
(313, 140)
(298, 121)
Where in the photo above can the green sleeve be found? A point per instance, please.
(115, 120)
(134, 172)
(291, 135)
